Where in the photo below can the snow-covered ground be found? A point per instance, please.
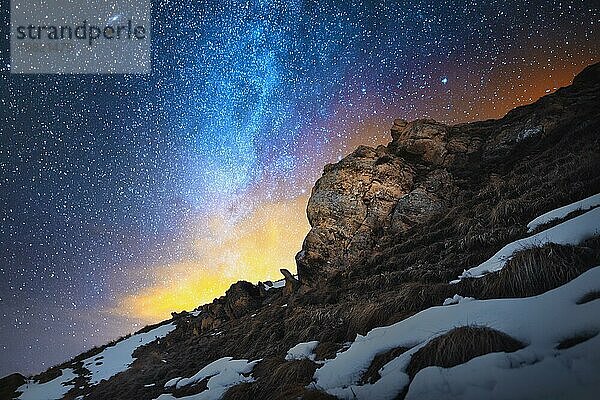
(537, 371)
(117, 358)
(109, 362)
(54, 389)
(302, 351)
(572, 231)
(223, 373)
(585, 204)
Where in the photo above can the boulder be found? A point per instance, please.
(353, 199)
(242, 298)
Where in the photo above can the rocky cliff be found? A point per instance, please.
(391, 226)
(386, 191)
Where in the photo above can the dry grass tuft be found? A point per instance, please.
(418, 296)
(590, 296)
(459, 346)
(404, 301)
(326, 350)
(575, 340)
(372, 374)
(534, 271)
(243, 391)
(275, 379)
(191, 390)
(510, 211)
(297, 372)
(316, 395)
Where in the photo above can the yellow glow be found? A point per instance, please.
(253, 249)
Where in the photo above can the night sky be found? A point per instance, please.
(124, 198)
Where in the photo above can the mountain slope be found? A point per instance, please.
(391, 227)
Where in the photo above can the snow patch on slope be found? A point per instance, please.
(573, 231)
(223, 373)
(456, 299)
(585, 204)
(302, 351)
(118, 358)
(51, 390)
(498, 376)
(274, 285)
(541, 322)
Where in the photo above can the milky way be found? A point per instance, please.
(126, 197)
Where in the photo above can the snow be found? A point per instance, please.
(573, 231)
(456, 299)
(118, 358)
(172, 382)
(223, 373)
(277, 284)
(495, 376)
(585, 204)
(54, 389)
(274, 285)
(533, 372)
(196, 313)
(302, 351)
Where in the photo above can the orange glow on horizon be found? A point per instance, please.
(253, 249)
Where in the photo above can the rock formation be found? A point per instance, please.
(377, 191)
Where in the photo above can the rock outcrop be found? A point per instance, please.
(375, 191)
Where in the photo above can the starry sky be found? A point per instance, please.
(126, 197)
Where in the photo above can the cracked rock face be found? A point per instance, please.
(427, 198)
(353, 199)
(374, 190)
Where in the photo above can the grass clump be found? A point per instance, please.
(276, 379)
(575, 340)
(371, 375)
(459, 346)
(533, 271)
(590, 296)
